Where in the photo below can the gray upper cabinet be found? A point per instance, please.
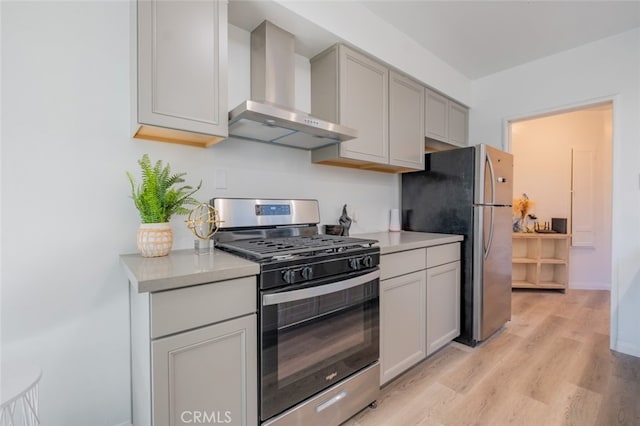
(406, 122)
(384, 106)
(436, 118)
(458, 124)
(445, 120)
(351, 89)
(181, 72)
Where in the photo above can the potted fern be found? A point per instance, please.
(157, 198)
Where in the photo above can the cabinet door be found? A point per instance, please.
(443, 305)
(406, 122)
(182, 51)
(436, 116)
(364, 103)
(458, 124)
(209, 372)
(402, 323)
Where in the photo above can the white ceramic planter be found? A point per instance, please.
(154, 239)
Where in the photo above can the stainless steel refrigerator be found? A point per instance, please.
(468, 191)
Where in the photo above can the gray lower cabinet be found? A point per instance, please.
(402, 323)
(207, 373)
(443, 305)
(403, 298)
(194, 354)
(179, 85)
(419, 305)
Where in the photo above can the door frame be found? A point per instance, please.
(561, 109)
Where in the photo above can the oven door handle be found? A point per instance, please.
(308, 293)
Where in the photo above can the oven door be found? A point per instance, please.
(314, 336)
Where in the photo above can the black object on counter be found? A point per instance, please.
(559, 225)
(345, 222)
(333, 229)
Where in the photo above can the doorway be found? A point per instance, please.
(563, 162)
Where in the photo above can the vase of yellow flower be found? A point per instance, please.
(521, 207)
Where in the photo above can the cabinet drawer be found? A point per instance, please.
(400, 263)
(439, 255)
(191, 307)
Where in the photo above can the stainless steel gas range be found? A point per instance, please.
(319, 310)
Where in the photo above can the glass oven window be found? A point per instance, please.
(313, 331)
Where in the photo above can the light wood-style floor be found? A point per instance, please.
(551, 365)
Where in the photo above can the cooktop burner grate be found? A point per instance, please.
(265, 248)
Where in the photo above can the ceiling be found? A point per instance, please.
(477, 38)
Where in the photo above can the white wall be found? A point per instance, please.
(605, 69)
(542, 169)
(1, 392)
(357, 25)
(66, 213)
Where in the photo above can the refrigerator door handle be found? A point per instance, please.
(487, 248)
(493, 178)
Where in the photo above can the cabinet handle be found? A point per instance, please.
(331, 401)
(308, 293)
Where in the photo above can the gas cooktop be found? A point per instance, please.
(275, 248)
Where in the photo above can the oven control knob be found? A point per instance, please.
(354, 263)
(367, 261)
(289, 276)
(307, 272)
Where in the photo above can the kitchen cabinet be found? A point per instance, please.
(406, 122)
(349, 88)
(402, 312)
(443, 295)
(194, 353)
(354, 90)
(419, 305)
(179, 83)
(540, 261)
(458, 124)
(445, 120)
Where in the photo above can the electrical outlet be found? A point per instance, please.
(221, 179)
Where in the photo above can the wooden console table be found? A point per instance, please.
(540, 261)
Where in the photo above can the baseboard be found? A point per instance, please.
(588, 285)
(627, 348)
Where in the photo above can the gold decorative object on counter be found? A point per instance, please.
(204, 222)
(521, 207)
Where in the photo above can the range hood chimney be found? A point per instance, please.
(270, 115)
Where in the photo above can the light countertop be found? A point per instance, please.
(182, 268)
(391, 242)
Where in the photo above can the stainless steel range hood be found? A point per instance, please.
(269, 116)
